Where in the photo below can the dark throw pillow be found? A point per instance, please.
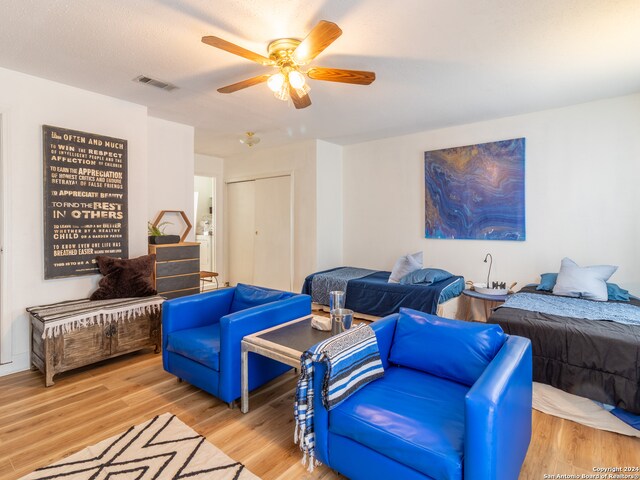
(125, 278)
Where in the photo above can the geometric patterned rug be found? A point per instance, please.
(162, 448)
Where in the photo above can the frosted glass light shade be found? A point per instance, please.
(276, 82)
(296, 79)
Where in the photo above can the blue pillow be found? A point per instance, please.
(425, 275)
(451, 349)
(247, 296)
(547, 281)
(614, 292)
(617, 294)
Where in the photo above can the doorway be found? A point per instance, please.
(205, 223)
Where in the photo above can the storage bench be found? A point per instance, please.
(76, 333)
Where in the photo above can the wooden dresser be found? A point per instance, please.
(177, 269)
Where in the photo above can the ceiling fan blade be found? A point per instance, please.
(249, 82)
(236, 50)
(357, 77)
(319, 38)
(299, 101)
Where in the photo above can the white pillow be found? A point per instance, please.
(405, 265)
(583, 282)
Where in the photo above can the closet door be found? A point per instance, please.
(241, 210)
(272, 253)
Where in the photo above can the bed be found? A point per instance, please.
(370, 295)
(590, 349)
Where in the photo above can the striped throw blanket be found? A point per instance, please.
(64, 317)
(352, 360)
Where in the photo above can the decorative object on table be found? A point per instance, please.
(405, 265)
(177, 269)
(321, 323)
(352, 360)
(162, 447)
(85, 200)
(476, 191)
(125, 278)
(250, 139)
(184, 217)
(73, 334)
(287, 56)
(157, 235)
(496, 289)
(341, 320)
(336, 300)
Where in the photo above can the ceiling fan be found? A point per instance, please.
(289, 56)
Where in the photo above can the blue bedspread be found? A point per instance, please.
(373, 295)
(323, 283)
(575, 307)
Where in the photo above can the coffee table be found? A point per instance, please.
(284, 343)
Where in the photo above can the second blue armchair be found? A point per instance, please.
(454, 403)
(201, 335)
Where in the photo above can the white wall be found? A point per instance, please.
(171, 169)
(26, 103)
(329, 208)
(582, 195)
(209, 166)
(300, 160)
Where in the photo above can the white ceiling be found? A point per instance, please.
(438, 62)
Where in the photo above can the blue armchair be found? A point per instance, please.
(201, 336)
(454, 403)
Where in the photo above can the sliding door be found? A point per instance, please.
(260, 245)
(241, 210)
(272, 254)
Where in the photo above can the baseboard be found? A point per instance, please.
(19, 363)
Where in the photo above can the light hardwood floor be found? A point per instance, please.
(40, 425)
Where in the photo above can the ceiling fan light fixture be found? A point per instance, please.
(286, 56)
(283, 93)
(250, 139)
(296, 79)
(276, 82)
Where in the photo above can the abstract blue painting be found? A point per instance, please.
(476, 191)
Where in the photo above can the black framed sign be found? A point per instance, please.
(85, 201)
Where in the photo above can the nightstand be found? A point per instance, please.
(489, 302)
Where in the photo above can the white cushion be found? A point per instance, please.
(405, 265)
(583, 282)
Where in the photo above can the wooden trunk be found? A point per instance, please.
(90, 344)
